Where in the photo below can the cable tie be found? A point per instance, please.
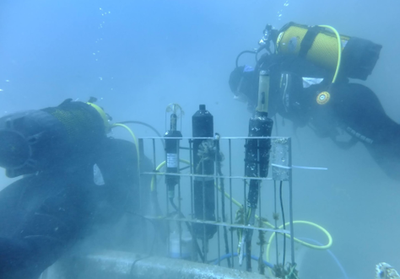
(298, 167)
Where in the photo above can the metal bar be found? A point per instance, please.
(243, 239)
(169, 249)
(260, 224)
(195, 246)
(276, 224)
(191, 180)
(205, 240)
(179, 213)
(212, 138)
(291, 201)
(211, 176)
(221, 224)
(216, 183)
(230, 199)
(154, 162)
(143, 224)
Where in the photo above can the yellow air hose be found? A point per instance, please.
(132, 134)
(158, 168)
(339, 50)
(134, 140)
(309, 245)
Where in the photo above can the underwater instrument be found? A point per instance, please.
(172, 138)
(257, 155)
(203, 163)
(36, 140)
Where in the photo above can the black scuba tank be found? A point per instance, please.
(203, 164)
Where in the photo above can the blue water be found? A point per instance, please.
(138, 56)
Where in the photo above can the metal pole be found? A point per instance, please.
(230, 198)
(291, 200)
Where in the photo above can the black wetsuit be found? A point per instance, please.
(44, 215)
(352, 108)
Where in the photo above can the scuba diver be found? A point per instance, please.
(309, 85)
(74, 180)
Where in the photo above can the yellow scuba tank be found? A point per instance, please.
(314, 43)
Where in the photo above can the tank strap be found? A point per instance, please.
(308, 40)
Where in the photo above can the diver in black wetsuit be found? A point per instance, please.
(75, 178)
(309, 85)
